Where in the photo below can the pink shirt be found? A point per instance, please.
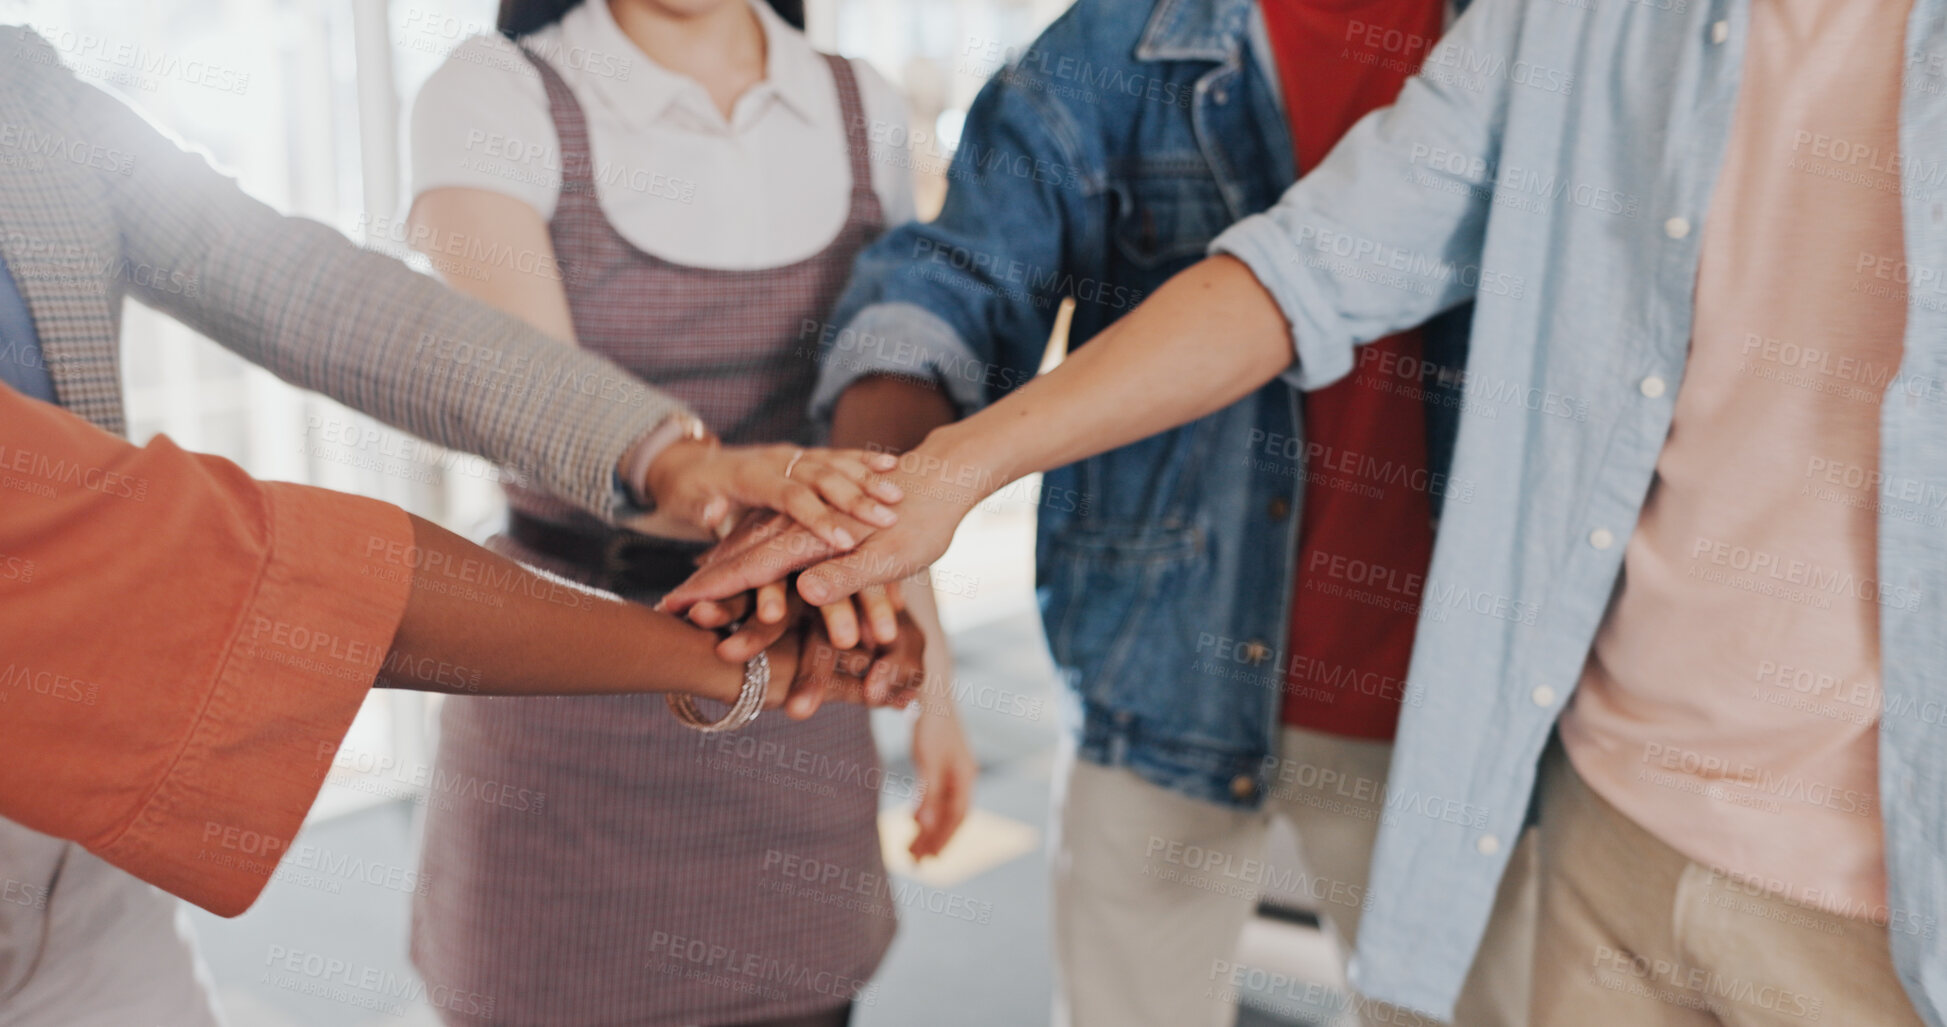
(1731, 702)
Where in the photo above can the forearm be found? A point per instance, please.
(897, 413)
(889, 413)
(300, 300)
(537, 636)
(1206, 339)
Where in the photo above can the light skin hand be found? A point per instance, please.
(947, 770)
(935, 501)
(705, 483)
(1157, 368)
(941, 755)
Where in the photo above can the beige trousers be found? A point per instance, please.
(1632, 933)
(1151, 890)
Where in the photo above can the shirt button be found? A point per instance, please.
(1543, 696)
(1256, 652)
(1243, 786)
(1676, 228)
(1652, 386)
(1602, 538)
(1720, 31)
(1487, 845)
(1280, 508)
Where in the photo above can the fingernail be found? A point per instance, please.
(844, 539)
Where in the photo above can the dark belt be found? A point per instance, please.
(624, 562)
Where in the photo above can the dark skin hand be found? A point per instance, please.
(540, 636)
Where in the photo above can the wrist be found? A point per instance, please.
(667, 470)
(966, 461)
(647, 465)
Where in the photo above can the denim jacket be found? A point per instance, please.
(1096, 164)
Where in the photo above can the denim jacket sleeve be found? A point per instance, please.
(1388, 230)
(965, 298)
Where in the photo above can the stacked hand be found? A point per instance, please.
(766, 550)
(868, 626)
(830, 657)
(833, 493)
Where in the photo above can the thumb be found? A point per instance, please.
(730, 575)
(875, 562)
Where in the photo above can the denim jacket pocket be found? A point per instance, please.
(1115, 583)
(1167, 212)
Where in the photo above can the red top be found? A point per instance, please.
(1366, 531)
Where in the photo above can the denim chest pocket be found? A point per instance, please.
(1117, 594)
(1167, 211)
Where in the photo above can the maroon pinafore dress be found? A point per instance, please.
(590, 861)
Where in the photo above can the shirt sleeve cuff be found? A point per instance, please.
(304, 654)
(902, 340)
(1285, 271)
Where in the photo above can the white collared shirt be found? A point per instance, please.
(765, 188)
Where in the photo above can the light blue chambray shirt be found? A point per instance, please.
(1555, 161)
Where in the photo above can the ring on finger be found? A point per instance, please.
(792, 464)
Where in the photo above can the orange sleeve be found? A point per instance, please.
(184, 647)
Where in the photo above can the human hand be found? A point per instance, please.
(809, 667)
(835, 493)
(887, 676)
(870, 618)
(766, 550)
(947, 769)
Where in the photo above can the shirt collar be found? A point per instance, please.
(1193, 30)
(595, 51)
